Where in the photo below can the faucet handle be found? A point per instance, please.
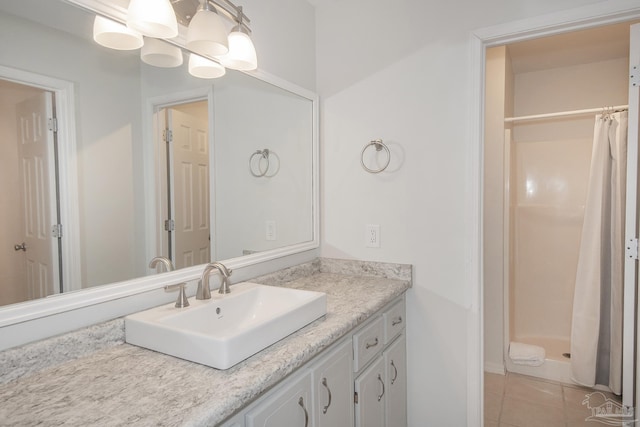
(182, 300)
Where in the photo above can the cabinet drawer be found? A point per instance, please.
(394, 320)
(367, 343)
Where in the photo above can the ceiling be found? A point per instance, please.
(578, 47)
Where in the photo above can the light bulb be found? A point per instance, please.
(207, 34)
(152, 18)
(115, 35)
(205, 68)
(160, 53)
(242, 53)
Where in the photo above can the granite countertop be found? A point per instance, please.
(122, 384)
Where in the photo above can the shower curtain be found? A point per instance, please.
(596, 330)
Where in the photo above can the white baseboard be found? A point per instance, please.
(494, 368)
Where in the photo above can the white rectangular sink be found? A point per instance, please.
(226, 329)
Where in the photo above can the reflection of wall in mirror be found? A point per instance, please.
(250, 118)
(108, 135)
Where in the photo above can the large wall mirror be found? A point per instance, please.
(92, 203)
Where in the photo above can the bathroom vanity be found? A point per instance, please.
(348, 368)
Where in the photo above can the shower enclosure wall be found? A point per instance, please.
(544, 167)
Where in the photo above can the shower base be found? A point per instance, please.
(556, 367)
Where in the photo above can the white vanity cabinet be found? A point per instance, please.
(381, 388)
(360, 381)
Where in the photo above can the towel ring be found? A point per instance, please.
(379, 145)
(263, 155)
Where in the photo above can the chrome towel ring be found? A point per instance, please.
(379, 145)
(264, 157)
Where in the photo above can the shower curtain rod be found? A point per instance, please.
(566, 113)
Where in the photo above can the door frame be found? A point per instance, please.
(68, 202)
(155, 161)
(598, 14)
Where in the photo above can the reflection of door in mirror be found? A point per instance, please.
(188, 224)
(29, 255)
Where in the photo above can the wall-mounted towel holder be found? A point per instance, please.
(379, 146)
(263, 157)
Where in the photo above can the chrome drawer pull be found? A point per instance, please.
(381, 382)
(396, 321)
(369, 345)
(324, 383)
(306, 414)
(395, 373)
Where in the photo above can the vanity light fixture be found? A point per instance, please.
(152, 18)
(206, 35)
(205, 68)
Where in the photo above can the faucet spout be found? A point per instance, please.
(168, 265)
(203, 291)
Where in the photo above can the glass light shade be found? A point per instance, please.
(204, 68)
(160, 53)
(242, 53)
(152, 18)
(115, 35)
(207, 34)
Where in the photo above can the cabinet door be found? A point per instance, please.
(290, 406)
(371, 392)
(333, 388)
(395, 359)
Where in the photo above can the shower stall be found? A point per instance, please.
(536, 184)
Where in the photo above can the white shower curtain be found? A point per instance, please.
(596, 330)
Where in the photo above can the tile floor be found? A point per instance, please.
(515, 400)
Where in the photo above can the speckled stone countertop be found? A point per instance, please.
(121, 384)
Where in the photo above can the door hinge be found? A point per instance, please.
(634, 76)
(355, 397)
(56, 231)
(632, 248)
(169, 225)
(167, 135)
(53, 124)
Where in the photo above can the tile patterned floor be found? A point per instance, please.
(515, 400)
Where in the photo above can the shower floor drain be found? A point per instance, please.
(567, 355)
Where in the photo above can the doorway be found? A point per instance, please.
(521, 271)
(184, 171)
(32, 265)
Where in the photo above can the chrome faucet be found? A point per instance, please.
(203, 291)
(168, 265)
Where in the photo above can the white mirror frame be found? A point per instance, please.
(29, 321)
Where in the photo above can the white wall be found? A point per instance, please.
(400, 73)
(283, 32)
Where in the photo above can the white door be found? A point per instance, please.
(190, 182)
(631, 227)
(37, 181)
